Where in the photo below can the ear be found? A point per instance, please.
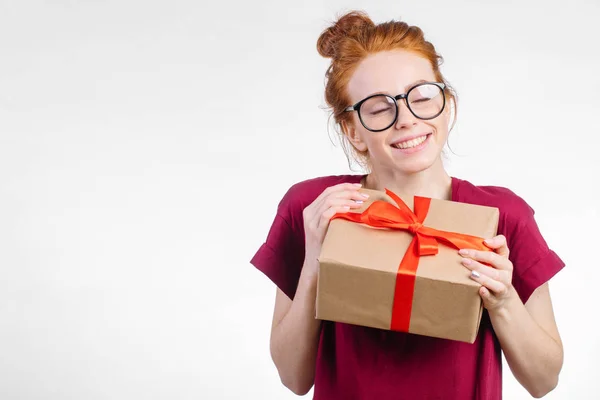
(353, 136)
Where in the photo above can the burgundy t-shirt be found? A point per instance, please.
(356, 362)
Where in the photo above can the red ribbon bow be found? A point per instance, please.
(381, 214)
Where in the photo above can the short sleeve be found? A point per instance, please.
(534, 263)
(281, 256)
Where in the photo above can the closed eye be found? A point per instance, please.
(375, 112)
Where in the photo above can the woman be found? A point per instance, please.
(394, 108)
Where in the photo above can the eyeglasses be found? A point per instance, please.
(380, 111)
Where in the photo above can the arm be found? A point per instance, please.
(527, 333)
(295, 335)
(295, 330)
(530, 340)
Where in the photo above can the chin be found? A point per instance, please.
(415, 166)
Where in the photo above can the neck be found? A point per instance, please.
(433, 182)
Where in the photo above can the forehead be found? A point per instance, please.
(391, 72)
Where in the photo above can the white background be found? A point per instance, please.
(144, 147)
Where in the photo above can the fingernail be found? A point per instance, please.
(475, 274)
(488, 241)
(466, 261)
(463, 252)
(346, 207)
(357, 184)
(358, 201)
(366, 196)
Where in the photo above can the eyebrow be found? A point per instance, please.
(406, 88)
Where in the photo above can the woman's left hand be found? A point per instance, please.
(495, 277)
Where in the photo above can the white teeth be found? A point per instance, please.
(411, 143)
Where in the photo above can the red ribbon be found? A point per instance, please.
(381, 214)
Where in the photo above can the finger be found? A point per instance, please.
(312, 209)
(323, 221)
(349, 197)
(353, 187)
(323, 218)
(488, 298)
(487, 257)
(498, 288)
(357, 195)
(343, 205)
(494, 273)
(344, 193)
(335, 202)
(309, 218)
(312, 213)
(499, 245)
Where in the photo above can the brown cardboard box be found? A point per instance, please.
(359, 267)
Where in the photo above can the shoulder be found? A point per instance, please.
(534, 262)
(301, 194)
(513, 208)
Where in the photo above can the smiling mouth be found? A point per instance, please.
(411, 143)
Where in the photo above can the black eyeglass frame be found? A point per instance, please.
(356, 107)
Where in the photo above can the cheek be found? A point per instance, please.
(441, 126)
(375, 141)
(441, 138)
(442, 131)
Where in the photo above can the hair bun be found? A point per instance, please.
(351, 24)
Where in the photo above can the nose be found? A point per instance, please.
(405, 119)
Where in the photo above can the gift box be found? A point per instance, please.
(386, 266)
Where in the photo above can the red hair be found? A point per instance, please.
(350, 40)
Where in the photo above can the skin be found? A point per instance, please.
(527, 332)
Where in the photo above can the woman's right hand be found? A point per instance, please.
(339, 198)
